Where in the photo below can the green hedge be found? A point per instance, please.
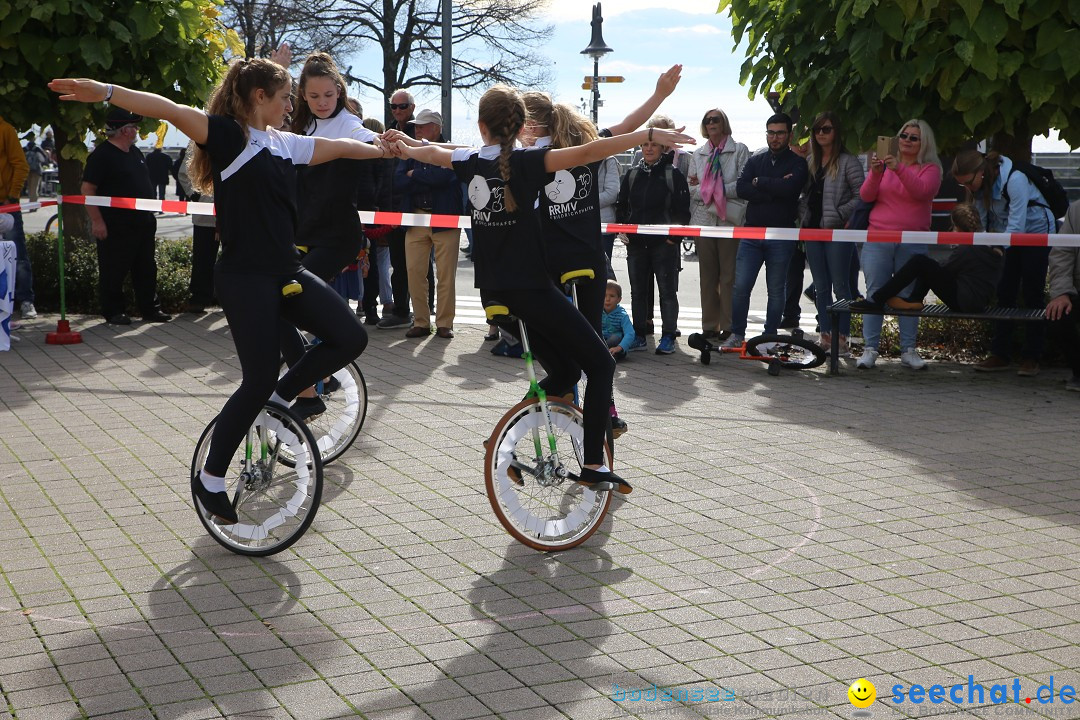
(81, 274)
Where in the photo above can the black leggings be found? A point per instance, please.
(927, 275)
(254, 307)
(324, 263)
(565, 344)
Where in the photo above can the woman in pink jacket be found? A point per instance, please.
(902, 190)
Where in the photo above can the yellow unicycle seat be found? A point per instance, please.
(497, 312)
(291, 288)
(573, 276)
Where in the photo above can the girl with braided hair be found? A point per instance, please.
(252, 168)
(504, 186)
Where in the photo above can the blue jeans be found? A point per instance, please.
(879, 262)
(776, 256)
(830, 266)
(24, 274)
(642, 263)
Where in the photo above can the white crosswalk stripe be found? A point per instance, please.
(468, 311)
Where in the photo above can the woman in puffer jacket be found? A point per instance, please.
(714, 169)
(831, 194)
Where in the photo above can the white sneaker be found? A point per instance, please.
(868, 359)
(910, 358)
(28, 311)
(733, 341)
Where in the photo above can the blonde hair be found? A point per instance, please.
(928, 146)
(233, 98)
(563, 123)
(374, 125)
(502, 110)
(725, 124)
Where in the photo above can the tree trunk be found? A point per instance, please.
(76, 224)
(1014, 147)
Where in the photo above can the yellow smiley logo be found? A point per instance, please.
(862, 693)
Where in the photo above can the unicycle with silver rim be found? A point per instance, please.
(276, 502)
(532, 463)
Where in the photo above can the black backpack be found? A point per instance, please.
(1057, 199)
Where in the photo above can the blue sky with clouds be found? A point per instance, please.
(647, 37)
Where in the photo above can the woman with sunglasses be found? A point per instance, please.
(902, 190)
(831, 194)
(1008, 202)
(714, 170)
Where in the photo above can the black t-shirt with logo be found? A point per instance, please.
(119, 173)
(329, 193)
(570, 218)
(255, 195)
(507, 246)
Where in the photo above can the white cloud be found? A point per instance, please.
(700, 29)
(576, 10)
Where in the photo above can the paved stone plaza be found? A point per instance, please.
(787, 536)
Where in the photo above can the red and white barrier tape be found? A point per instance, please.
(24, 207)
(688, 231)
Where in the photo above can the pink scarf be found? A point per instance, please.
(712, 185)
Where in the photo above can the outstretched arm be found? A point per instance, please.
(664, 87)
(188, 120)
(327, 149)
(430, 154)
(565, 158)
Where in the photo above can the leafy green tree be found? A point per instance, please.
(171, 47)
(1006, 69)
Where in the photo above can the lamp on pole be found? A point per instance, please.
(596, 50)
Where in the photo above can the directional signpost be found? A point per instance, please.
(587, 85)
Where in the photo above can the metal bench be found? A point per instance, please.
(930, 311)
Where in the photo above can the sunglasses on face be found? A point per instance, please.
(968, 183)
(400, 106)
(908, 136)
(824, 129)
(712, 119)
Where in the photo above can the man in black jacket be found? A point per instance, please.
(653, 193)
(771, 183)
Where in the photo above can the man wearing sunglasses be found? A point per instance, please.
(771, 183)
(402, 107)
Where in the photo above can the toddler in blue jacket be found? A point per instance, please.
(618, 330)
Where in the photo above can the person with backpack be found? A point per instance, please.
(1013, 197)
(36, 158)
(654, 193)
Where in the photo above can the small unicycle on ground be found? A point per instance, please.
(791, 352)
(533, 459)
(275, 501)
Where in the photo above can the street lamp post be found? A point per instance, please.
(596, 50)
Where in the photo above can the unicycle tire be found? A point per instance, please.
(790, 352)
(346, 408)
(276, 502)
(543, 511)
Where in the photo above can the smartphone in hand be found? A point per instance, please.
(888, 145)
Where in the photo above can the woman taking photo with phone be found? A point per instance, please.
(902, 190)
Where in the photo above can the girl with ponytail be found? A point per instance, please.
(328, 195)
(504, 186)
(570, 203)
(251, 169)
